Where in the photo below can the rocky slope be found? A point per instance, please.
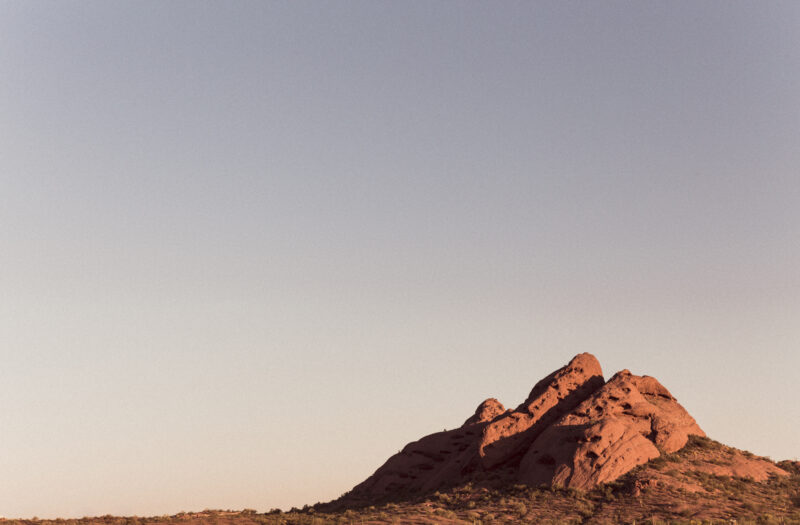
(678, 488)
(575, 430)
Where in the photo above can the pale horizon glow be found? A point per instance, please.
(251, 249)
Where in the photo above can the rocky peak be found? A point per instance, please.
(574, 429)
(486, 411)
(579, 370)
(627, 422)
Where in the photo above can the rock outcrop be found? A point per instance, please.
(627, 422)
(508, 437)
(573, 430)
(486, 411)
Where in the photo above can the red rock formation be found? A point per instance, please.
(442, 459)
(508, 437)
(485, 412)
(573, 430)
(627, 422)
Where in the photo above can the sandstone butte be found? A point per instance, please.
(575, 430)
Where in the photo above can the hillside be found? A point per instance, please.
(678, 488)
(575, 430)
(578, 450)
(688, 486)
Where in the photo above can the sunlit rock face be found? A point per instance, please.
(574, 430)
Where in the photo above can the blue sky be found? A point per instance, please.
(250, 250)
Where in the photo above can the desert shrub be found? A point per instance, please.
(443, 498)
(520, 508)
(750, 506)
(576, 493)
(445, 513)
(607, 493)
(702, 442)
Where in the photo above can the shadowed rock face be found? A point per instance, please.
(618, 427)
(507, 437)
(573, 430)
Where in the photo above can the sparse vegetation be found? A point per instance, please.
(677, 495)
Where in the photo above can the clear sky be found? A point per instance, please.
(248, 250)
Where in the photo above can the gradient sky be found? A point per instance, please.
(248, 250)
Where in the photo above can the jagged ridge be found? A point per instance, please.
(574, 430)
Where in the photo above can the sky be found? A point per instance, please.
(249, 250)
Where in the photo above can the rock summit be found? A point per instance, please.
(574, 430)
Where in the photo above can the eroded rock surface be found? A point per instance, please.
(627, 422)
(573, 430)
(509, 436)
(486, 411)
